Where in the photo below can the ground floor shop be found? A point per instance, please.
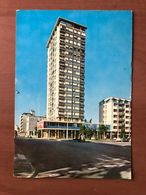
(58, 134)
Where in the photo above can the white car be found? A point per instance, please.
(118, 139)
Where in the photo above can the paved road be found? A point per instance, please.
(71, 159)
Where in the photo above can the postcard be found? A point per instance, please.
(73, 94)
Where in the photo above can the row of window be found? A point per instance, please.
(72, 42)
(115, 116)
(71, 35)
(71, 29)
(126, 122)
(70, 78)
(67, 84)
(115, 110)
(122, 105)
(72, 53)
(72, 48)
(115, 127)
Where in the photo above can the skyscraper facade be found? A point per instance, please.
(65, 72)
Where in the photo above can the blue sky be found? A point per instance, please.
(108, 57)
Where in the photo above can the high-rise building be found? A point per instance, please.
(65, 72)
(116, 113)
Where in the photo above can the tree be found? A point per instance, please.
(86, 131)
(102, 130)
(82, 129)
(90, 121)
(36, 132)
(122, 133)
(89, 132)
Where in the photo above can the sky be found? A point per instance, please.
(108, 63)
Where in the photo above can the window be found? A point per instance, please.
(69, 107)
(76, 114)
(83, 34)
(76, 108)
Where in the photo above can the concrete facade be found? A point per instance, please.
(65, 72)
(58, 130)
(28, 123)
(116, 112)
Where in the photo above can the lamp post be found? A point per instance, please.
(67, 128)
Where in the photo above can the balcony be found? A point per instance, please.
(61, 104)
(62, 67)
(62, 98)
(62, 43)
(82, 71)
(83, 36)
(61, 85)
(61, 91)
(61, 79)
(62, 47)
(81, 93)
(82, 47)
(62, 36)
(63, 29)
(62, 61)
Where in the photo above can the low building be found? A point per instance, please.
(58, 130)
(116, 112)
(17, 130)
(28, 123)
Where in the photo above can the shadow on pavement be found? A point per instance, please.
(71, 159)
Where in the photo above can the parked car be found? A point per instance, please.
(118, 139)
(126, 139)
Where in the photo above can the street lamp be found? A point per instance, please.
(67, 128)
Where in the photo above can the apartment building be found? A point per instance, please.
(116, 112)
(28, 123)
(65, 72)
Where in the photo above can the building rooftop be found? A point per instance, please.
(114, 98)
(65, 21)
(57, 121)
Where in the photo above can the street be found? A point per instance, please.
(36, 158)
